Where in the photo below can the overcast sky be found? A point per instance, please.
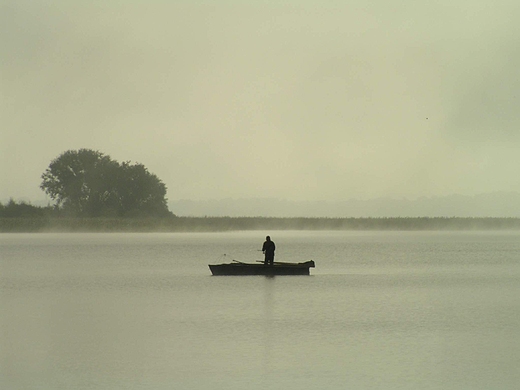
(298, 100)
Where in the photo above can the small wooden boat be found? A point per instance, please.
(278, 268)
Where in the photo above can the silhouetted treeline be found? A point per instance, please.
(23, 210)
(88, 183)
(47, 220)
(268, 223)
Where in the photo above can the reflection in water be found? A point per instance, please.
(268, 324)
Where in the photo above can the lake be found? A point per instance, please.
(381, 310)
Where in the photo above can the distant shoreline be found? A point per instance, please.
(222, 224)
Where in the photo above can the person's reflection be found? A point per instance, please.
(268, 322)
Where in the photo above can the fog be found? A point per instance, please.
(303, 101)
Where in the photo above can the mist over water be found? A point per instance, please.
(381, 310)
(496, 204)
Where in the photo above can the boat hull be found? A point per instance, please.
(261, 269)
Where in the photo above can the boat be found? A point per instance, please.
(278, 268)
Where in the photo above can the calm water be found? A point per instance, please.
(399, 310)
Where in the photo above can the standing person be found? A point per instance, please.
(268, 249)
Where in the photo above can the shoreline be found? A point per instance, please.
(222, 224)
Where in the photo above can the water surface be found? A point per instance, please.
(382, 310)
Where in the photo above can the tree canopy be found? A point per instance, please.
(88, 183)
(22, 209)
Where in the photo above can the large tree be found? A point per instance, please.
(88, 183)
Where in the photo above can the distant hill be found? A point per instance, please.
(496, 204)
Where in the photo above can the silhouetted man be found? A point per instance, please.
(268, 249)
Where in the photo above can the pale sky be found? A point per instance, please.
(297, 100)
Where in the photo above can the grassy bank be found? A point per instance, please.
(216, 224)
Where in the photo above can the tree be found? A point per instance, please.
(88, 183)
(21, 210)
